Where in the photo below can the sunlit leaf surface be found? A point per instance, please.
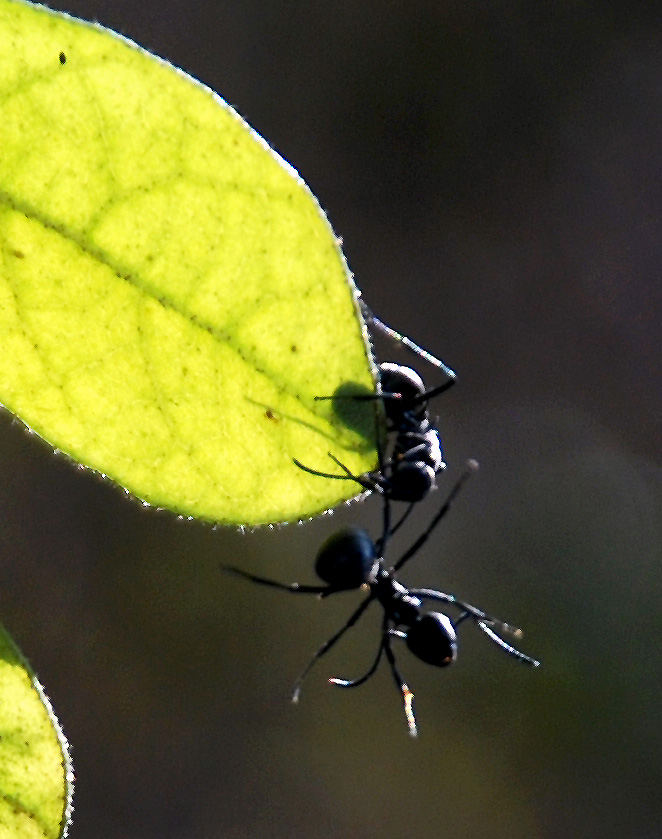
(172, 298)
(35, 769)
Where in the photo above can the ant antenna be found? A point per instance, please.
(297, 588)
(348, 476)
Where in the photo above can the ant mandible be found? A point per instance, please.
(349, 560)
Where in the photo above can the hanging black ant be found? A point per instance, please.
(349, 560)
(409, 474)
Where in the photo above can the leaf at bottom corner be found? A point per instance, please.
(35, 768)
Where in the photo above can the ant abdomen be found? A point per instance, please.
(432, 639)
(347, 559)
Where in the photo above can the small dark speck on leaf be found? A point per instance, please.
(18, 254)
(63, 58)
(269, 414)
(294, 348)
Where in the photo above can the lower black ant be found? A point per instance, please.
(409, 474)
(349, 560)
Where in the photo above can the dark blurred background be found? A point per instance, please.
(495, 170)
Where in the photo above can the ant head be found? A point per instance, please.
(432, 638)
(347, 559)
(395, 378)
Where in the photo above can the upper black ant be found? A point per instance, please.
(416, 457)
(350, 559)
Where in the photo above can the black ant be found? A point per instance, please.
(349, 560)
(409, 474)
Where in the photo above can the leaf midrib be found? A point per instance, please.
(131, 278)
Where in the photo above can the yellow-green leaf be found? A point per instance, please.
(35, 769)
(172, 297)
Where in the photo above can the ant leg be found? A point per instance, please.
(354, 683)
(264, 581)
(360, 397)
(318, 473)
(472, 466)
(403, 518)
(348, 476)
(461, 618)
(407, 695)
(467, 608)
(357, 478)
(491, 634)
(407, 342)
(435, 391)
(326, 646)
(380, 545)
(484, 621)
(386, 512)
